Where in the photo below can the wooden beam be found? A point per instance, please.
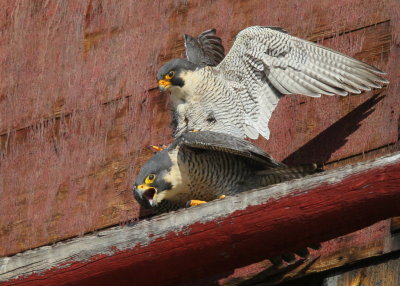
(367, 243)
(204, 241)
(386, 272)
(395, 227)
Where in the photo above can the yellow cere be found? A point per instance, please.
(142, 187)
(150, 179)
(164, 83)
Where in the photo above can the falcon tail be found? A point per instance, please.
(277, 175)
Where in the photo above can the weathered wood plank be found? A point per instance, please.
(370, 242)
(220, 235)
(395, 226)
(385, 273)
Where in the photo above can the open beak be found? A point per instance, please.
(148, 194)
(163, 85)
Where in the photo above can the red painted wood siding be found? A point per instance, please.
(206, 243)
(76, 115)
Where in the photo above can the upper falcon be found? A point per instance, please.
(237, 94)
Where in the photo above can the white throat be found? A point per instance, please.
(182, 94)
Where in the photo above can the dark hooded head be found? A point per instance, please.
(151, 179)
(170, 73)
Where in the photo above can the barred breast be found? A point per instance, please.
(212, 173)
(215, 106)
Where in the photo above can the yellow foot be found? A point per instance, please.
(194, 130)
(192, 203)
(222, 197)
(158, 148)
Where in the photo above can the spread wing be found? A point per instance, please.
(208, 140)
(266, 63)
(205, 50)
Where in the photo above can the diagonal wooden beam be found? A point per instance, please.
(205, 241)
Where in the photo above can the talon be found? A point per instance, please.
(222, 197)
(192, 203)
(158, 148)
(194, 130)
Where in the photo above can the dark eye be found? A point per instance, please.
(150, 179)
(170, 75)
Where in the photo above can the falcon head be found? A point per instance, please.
(172, 73)
(153, 180)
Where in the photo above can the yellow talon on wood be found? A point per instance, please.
(157, 148)
(196, 203)
(222, 197)
(194, 130)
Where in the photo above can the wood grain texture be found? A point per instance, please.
(385, 273)
(220, 235)
(395, 225)
(372, 241)
(77, 109)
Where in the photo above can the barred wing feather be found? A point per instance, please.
(267, 63)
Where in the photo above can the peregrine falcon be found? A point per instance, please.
(237, 94)
(203, 166)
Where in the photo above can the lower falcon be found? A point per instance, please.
(205, 166)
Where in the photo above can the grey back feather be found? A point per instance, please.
(208, 140)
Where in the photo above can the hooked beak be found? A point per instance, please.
(163, 85)
(147, 193)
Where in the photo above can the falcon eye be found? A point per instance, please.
(150, 179)
(170, 75)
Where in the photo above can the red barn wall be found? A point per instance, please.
(78, 104)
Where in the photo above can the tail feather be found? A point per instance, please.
(277, 175)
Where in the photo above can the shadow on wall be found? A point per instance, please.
(320, 149)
